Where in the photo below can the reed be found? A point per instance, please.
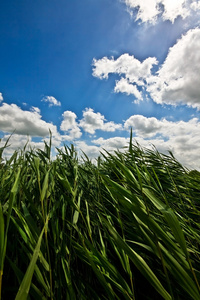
(126, 227)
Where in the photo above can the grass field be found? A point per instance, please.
(126, 227)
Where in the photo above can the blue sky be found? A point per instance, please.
(90, 70)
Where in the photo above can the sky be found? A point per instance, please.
(90, 70)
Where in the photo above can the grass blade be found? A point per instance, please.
(26, 282)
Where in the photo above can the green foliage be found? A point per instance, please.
(126, 227)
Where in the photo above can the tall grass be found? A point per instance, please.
(124, 228)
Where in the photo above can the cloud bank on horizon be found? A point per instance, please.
(178, 137)
(175, 82)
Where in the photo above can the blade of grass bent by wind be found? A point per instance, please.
(26, 282)
(112, 272)
(170, 218)
(139, 262)
(5, 235)
(1, 245)
(1, 231)
(100, 276)
(134, 203)
(182, 277)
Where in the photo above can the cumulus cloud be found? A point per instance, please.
(181, 137)
(70, 126)
(112, 143)
(1, 97)
(101, 144)
(92, 121)
(14, 119)
(51, 100)
(148, 127)
(16, 142)
(35, 109)
(131, 67)
(195, 5)
(123, 86)
(177, 81)
(69, 120)
(143, 126)
(150, 10)
(134, 71)
(90, 150)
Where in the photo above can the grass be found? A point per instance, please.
(125, 228)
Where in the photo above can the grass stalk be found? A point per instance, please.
(106, 229)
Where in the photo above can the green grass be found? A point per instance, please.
(124, 228)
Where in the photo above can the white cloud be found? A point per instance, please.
(181, 137)
(132, 68)
(1, 97)
(14, 119)
(150, 10)
(70, 126)
(92, 121)
(173, 9)
(51, 100)
(101, 144)
(149, 127)
(143, 126)
(195, 5)
(69, 120)
(35, 109)
(177, 81)
(90, 150)
(112, 144)
(134, 71)
(17, 142)
(123, 86)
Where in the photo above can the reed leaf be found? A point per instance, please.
(26, 282)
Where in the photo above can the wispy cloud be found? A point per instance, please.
(51, 100)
